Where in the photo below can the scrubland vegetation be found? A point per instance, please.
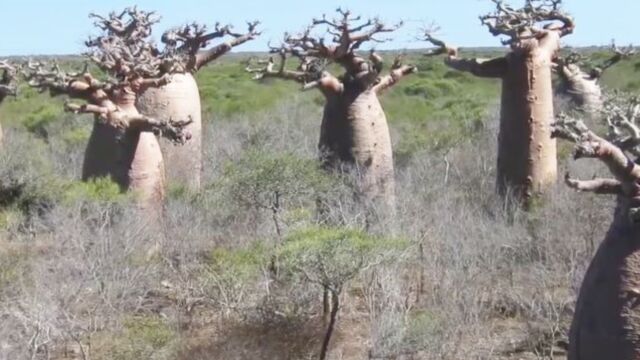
(246, 269)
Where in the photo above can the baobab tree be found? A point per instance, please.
(354, 132)
(186, 51)
(527, 161)
(582, 87)
(606, 323)
(134, 159)
(8, 86)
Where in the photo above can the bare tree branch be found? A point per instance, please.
(398, 71)
(311, 71)
(590, 145)
(135, 28)
(175, 131)
(51, 78)
(598, 186)
(206, 56)
(619, 54)
(192, 37)
(491, 68)
(348, 33)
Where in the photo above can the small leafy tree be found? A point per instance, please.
(230, 273)
(331, 258)
(270, 182)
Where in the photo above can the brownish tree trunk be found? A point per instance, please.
(179, 99)
(581, 89)
(527, 161)
(355, 137)
(333, 317)
(141, 162)
(144, 167)
(102, 153)
(606, 324)
(132, 158)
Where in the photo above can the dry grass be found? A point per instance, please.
(86, 278)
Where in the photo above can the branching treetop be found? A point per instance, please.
(309, 72)
(8, 85)
(535, 19)
(137, 26)
(347, 37)
(186, 46)
(102, 99)
(574, 62)
(124, 49)
(622, 114)
(348, 33)
(131, 67)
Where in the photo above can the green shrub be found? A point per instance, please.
(12, 266)
(38, 119)
(143, 338)
(102, 190)
(332, 256)
(76, 136)
(264, 180)
(239, 264)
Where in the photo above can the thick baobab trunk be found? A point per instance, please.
(143, 163)
(526, 151)
(179, 99)
(606, 323)
(102, 152)
(355, 136)
(132, 158)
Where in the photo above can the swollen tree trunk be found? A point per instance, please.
(179, 99)
(355, 137)
(142, 161)
(102, 153)
(186, 49)
(527, 161)
(132, 158)
(606, 323)
(581, 89)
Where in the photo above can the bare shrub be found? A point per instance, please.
(480, 281)
(89, 270)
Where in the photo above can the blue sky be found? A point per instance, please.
(30, 27)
